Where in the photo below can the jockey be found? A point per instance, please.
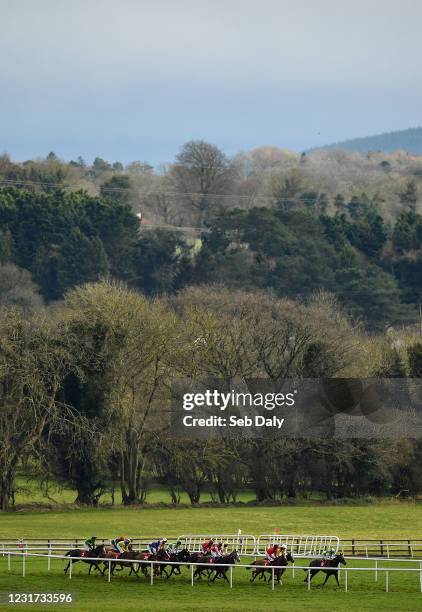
(123, 545)
(328, 554)
(90, 543)
(173, 549)
(157, 545)
(216, 550)
(272, 552)
(120, 544)
(206, 546)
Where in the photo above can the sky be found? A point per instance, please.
(135, 79)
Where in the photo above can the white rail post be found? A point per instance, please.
(376, 570)
(386, 581)
(152, 572)
(191, 575)
(293, 571)
(23, 565)
(231, 576)
(309, 579)
(272, 578)
(420, 576)
(8, 562)
(109, 570)
(70, 569)
(49, 557)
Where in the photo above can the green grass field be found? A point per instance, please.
(400, 520)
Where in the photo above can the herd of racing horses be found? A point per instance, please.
(165, 564)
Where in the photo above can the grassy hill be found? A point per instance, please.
(409, 140)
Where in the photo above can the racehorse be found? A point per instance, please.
(82, 554)
(199, 559)
(221, 572)
(183, 556)
(329, 567)
(145, 555)
(262, 566)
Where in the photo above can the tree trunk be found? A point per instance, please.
(86, 496)
(6, 489)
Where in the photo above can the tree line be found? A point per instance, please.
(84, 394)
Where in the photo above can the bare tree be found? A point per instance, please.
(202, 171)
(33, 364)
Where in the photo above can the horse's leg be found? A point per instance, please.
(225, 577)
(336, 576)
(66, 568)
(254, 575)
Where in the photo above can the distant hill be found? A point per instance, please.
(409, 140)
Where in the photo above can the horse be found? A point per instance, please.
(82, 554)
(117, 558)
(262, 566)
(183, 556)
(223, 561)
(329, 567)
(145, 555)
(199, 559)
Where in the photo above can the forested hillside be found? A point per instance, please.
(409, 140)
(266, 220)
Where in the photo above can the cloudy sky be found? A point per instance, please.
(134, 79)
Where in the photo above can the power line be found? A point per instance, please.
(176, 194)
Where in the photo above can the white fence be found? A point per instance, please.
(343, 571)
(299, 545)
(244, 544)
